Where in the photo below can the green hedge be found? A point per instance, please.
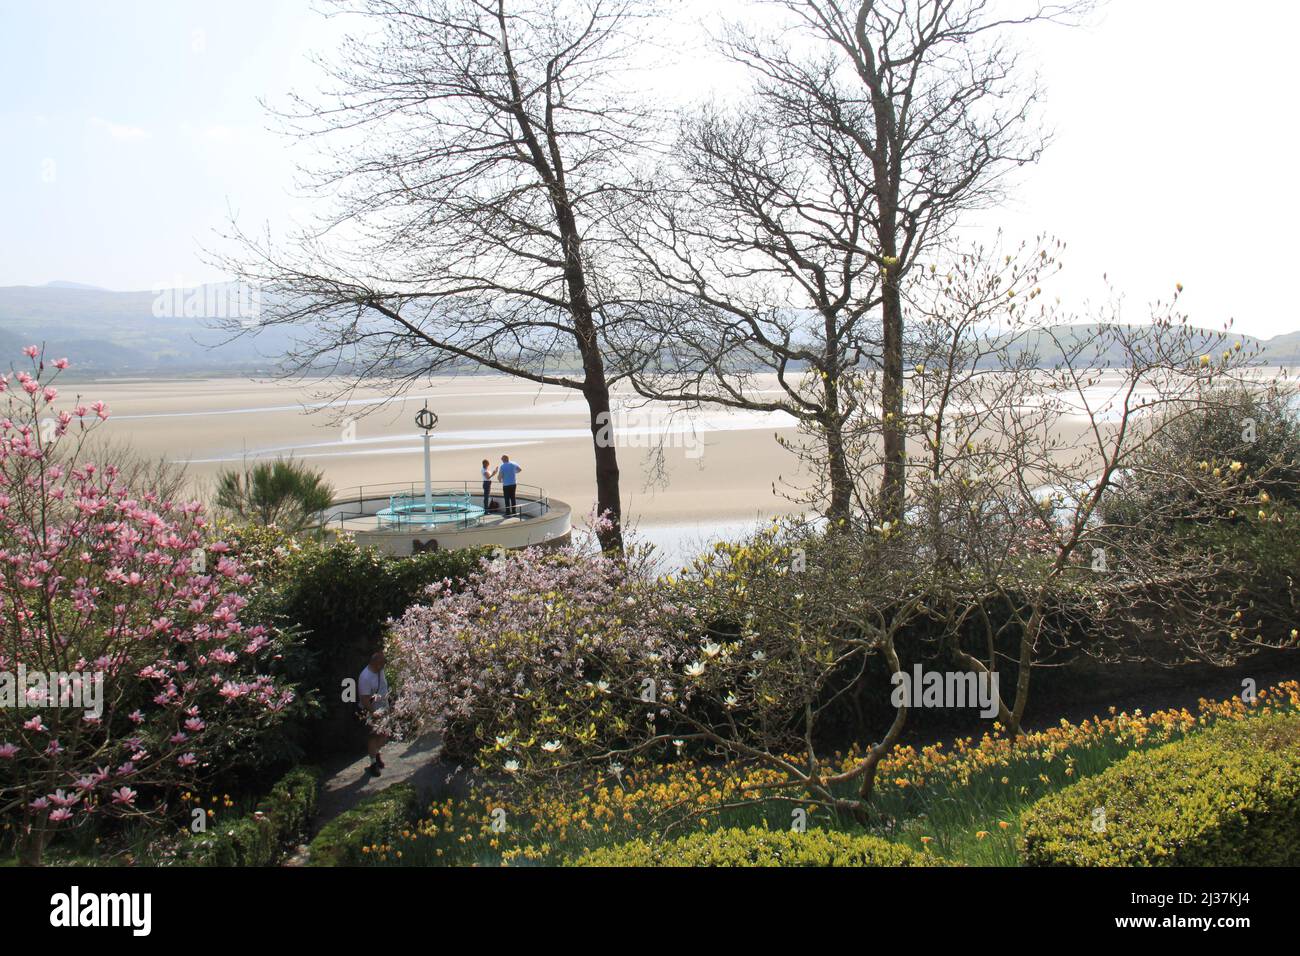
(376, 819)
(341, 597)
(758, 847)
(280, 823)
(1225, 796)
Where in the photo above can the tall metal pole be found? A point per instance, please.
(428, 483)
(428, 421)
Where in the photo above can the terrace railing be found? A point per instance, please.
(368, 500)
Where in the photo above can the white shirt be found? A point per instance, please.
(370, 684)
(487, 476)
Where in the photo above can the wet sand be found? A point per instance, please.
(720, 469)
(720, 466)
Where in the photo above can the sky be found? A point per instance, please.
(130, 130)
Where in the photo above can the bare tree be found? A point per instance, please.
(949, 112)
(750, 255)
(783, 236)
(478, 147)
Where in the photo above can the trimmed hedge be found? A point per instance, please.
(262, 838)
(1225, 796)
(376, 819)
(758, 847)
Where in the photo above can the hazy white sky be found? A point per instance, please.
(131, 128)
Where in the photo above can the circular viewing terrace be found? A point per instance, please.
(397, 518)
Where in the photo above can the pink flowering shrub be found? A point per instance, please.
(120, 592)
(523, 655)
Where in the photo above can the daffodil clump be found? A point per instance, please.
(956, 802)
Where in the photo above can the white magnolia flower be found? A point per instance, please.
(731, 700)
(694, 669)
(759, 656)
(602, 686)
(711, 649)
(551, 746)
(512, 766)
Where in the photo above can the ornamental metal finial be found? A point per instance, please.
(426, 419)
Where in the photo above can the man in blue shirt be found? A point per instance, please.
(508, 473)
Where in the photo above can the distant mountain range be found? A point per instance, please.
(116, 333)
(109, 333)
(1278, 350)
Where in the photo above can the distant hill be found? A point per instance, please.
(109, 333)
(128, 333)
(1283, 349)
(60, 284)
(1043, 345)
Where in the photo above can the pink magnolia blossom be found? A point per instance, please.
(115, 564)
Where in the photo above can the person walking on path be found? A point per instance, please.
(487, 485)
(372, 700)
(509, 473)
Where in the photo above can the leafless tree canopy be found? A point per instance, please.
(892, 120)
(478, 152)
(751, 258)
(489, 209)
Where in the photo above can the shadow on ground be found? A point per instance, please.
(419, 762)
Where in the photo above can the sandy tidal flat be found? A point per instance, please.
(720, 465)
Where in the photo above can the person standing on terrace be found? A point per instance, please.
(509, 473)
(487, 485)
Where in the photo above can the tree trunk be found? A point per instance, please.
(596, 391)
(1028, 642)
(608, 501)
(840, 509)
(595, 386)
(878, 752)
(31, 847)
(893, 482)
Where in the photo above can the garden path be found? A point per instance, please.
(419, 762)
